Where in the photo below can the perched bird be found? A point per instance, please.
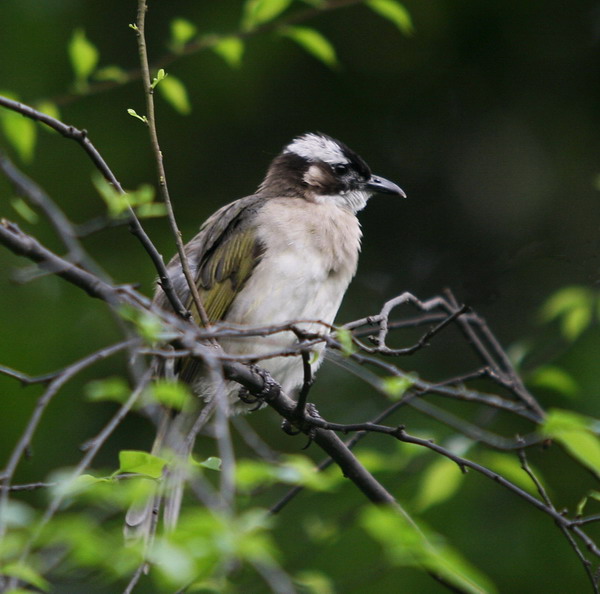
(286, 253)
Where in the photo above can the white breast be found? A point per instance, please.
(310, 257)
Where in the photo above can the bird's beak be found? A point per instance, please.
(380, 185)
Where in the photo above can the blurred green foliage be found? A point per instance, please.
(485, 113)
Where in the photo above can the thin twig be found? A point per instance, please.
(158, 157)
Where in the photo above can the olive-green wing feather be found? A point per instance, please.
(222, 257)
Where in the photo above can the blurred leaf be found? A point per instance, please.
(143, 195)
(409, 545)
(577, 434)
(509, 467)
(314, 43)
(554, 378)
(314, 582)
(149, 211)
(212, 463)
(182, 31)
(112, 72)
(83, 54)
(51, 109)
(573, 306)
(111, 388)
(116, 202)
(24, 210)
(174, 92)
(344, 337)
(141, 463)
(170, 393)
(231, 49)
(258, 12)
(440, 481)
(16, 514)
(395, 386)
(395, 12)
(25, 573)
(148, 325)
(20, 132)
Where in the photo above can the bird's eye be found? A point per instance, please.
(340, 169)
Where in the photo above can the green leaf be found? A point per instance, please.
(160, 75)
(407, 544)
(182, 31)
(116, 202)
(231, 49)
(147, 324)
(51, 109)
(573, 306)
(554, 378)
(83, 54)
(577, 434)
(510, 468)
(141, 463)
(113, 73)
(25, 573)
(112, 388)
(395, 12)
(314, 43)
(395, 386)
(344, 337)
(24, 210)
(20, 132)
(172, 394)
(174, 92)
(148, 211)
(258, 12)
(134, 114)
(212, 463)
(440, 481)
(314, 582)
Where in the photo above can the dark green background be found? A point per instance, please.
(488, 117)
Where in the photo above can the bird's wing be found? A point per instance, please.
(221, 256)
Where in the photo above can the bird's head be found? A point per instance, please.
(319, 168)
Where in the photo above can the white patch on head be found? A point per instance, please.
(354, 200)
(314, 147)
(314, 176)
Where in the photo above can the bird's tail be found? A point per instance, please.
(174, 443)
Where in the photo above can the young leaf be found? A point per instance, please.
(160, 75)
(24, 210)
(173, 90)
(409, 545)
(51, 109)
(231, 49)
(395, 12)
(182, 31)
(21, 133)
(345, 338)
(116, 202)
(141, 463)
(258, 12)
(314, 43)
(134, 114)
(573, 306)
(395, 386)
(439, 482)
(111, 72)
(212, 463)
(112, 388)
(26, 573)
(172, 394)
(554, 378)
(577, 434)
(83, 54)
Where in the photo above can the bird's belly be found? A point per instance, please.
(284, 290)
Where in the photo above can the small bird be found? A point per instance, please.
(284, 254)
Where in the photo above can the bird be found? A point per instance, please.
(286, 253)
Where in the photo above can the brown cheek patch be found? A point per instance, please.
(315, 176)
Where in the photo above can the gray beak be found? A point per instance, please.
(380, 185)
